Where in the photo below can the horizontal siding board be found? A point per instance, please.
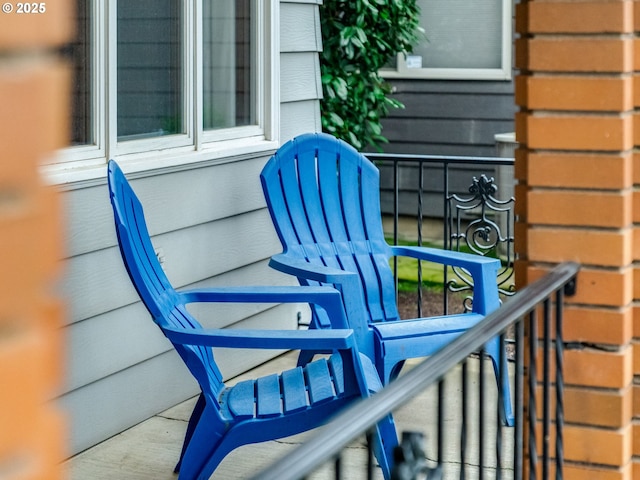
(299, 118)
(108, 406)
(460, 86)
(171, 201)
(447, 131)
(131, 333)
(450, 105)
(95, 283)
(109, 343)
(441, 149)
(211, 249)
(98, 282)
(300, 77)
(300, 28)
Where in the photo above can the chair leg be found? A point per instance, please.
(305, 357)
(191, 426)
(385, 440)
(393, 373)
(498, 356)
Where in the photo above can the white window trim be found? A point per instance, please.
(505, 71)
(87, 163)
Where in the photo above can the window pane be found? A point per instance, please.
(149, 68)
(228, 63)
(461, 33)
(78, 53)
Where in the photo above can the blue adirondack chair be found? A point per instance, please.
(259, 409)
(324, 201)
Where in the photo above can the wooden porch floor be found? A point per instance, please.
(149, 450)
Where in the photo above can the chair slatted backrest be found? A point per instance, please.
(151, 282)
(331, 196)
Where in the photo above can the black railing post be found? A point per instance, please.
(337, 465)
(481, 414)
(503, 373)
(420, 213)
(396, 209)
(532, 380)
(441, 401)
(559, 385)
(445, 233)
(463, 432)
(546, 388)
(518, 447)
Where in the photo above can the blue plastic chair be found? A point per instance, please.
(324, 200)
(254, 410)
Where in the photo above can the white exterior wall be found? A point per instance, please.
(212, 226)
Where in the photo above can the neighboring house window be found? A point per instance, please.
(180, 77)
(465, 40)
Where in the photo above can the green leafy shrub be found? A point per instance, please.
(359, 38)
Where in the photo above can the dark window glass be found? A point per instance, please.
(149, 68)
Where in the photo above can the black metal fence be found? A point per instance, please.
(471, 200)
(529, 449)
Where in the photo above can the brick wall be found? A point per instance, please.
(34, 112)
(577, 128)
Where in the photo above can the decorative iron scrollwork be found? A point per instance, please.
(481, 224)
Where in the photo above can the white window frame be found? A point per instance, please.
(87, 162)
(502, 73)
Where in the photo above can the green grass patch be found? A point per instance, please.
(432, 273)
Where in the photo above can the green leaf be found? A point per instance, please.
(340, 86)
(359, 37)
(354, 140)
(336, 119)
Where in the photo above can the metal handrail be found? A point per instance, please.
(362, 416)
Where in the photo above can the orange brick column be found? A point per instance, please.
(576, 202)
(34, 113)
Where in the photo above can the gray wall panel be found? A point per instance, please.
(449, 117)
(300, 117)
(303, 28)
(300, 78)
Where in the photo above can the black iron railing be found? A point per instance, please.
(539, 305)
(470, 197)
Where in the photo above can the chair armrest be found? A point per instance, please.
(483, 270)
(347, 282)
(264, 339)
(310, 271)
(468, 261)
(326, 297)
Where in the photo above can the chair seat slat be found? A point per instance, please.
(268, 399)
(242, 399)
(294, 393)
(337, 370)
(319, 382)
